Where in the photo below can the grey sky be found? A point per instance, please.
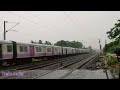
(84, 26)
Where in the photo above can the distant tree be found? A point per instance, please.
(84, 47)
(61, 43)
(32, 41)
(40, 42)
(48, 43)
(74, 44)
(36, 42)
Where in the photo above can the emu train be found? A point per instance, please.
(15, 51)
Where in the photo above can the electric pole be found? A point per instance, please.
(4, 31)
(100, 46)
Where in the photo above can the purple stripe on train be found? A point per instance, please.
(28, 55)
(49, 54)
(40, 54)
(57, 53)
(7, 56)
(23, 55)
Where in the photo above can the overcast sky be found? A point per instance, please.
(84, 26)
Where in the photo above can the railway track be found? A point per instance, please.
(81, 64)
(45, 66)
(27, 65)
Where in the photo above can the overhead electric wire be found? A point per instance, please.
(69, 17)
(23, 17)
(27, 19)
(75, 18)
(44, 20)
(39, 19)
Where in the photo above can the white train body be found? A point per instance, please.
(13, 50)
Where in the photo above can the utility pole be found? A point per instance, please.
(4, 31)
(99, 44)
(105, 45)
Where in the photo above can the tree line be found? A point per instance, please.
(40, 42)
(63, 43)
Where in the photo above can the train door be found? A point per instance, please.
(32, 51)
(0, 51)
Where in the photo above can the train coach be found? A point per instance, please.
(11, 51)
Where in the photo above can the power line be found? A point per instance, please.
(70, 17)
(44, 20)
(27, 19)
(40, 19)
(22, 17)
(75, 18)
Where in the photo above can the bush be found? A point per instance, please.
(112, 61)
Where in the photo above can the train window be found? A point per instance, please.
(49, 50)
(36, 49)
(25, 49)
(40, 49)
(9, 48)
(21, 49)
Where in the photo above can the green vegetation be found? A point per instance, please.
(74, 44)
(112, 61)
(113, 34)
(109, 48)
(40, 42)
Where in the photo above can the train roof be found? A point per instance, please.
(5, 41)
(29, 43)
(37, 44)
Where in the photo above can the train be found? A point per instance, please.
(12, 51)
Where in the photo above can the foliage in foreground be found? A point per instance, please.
(112, 61)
